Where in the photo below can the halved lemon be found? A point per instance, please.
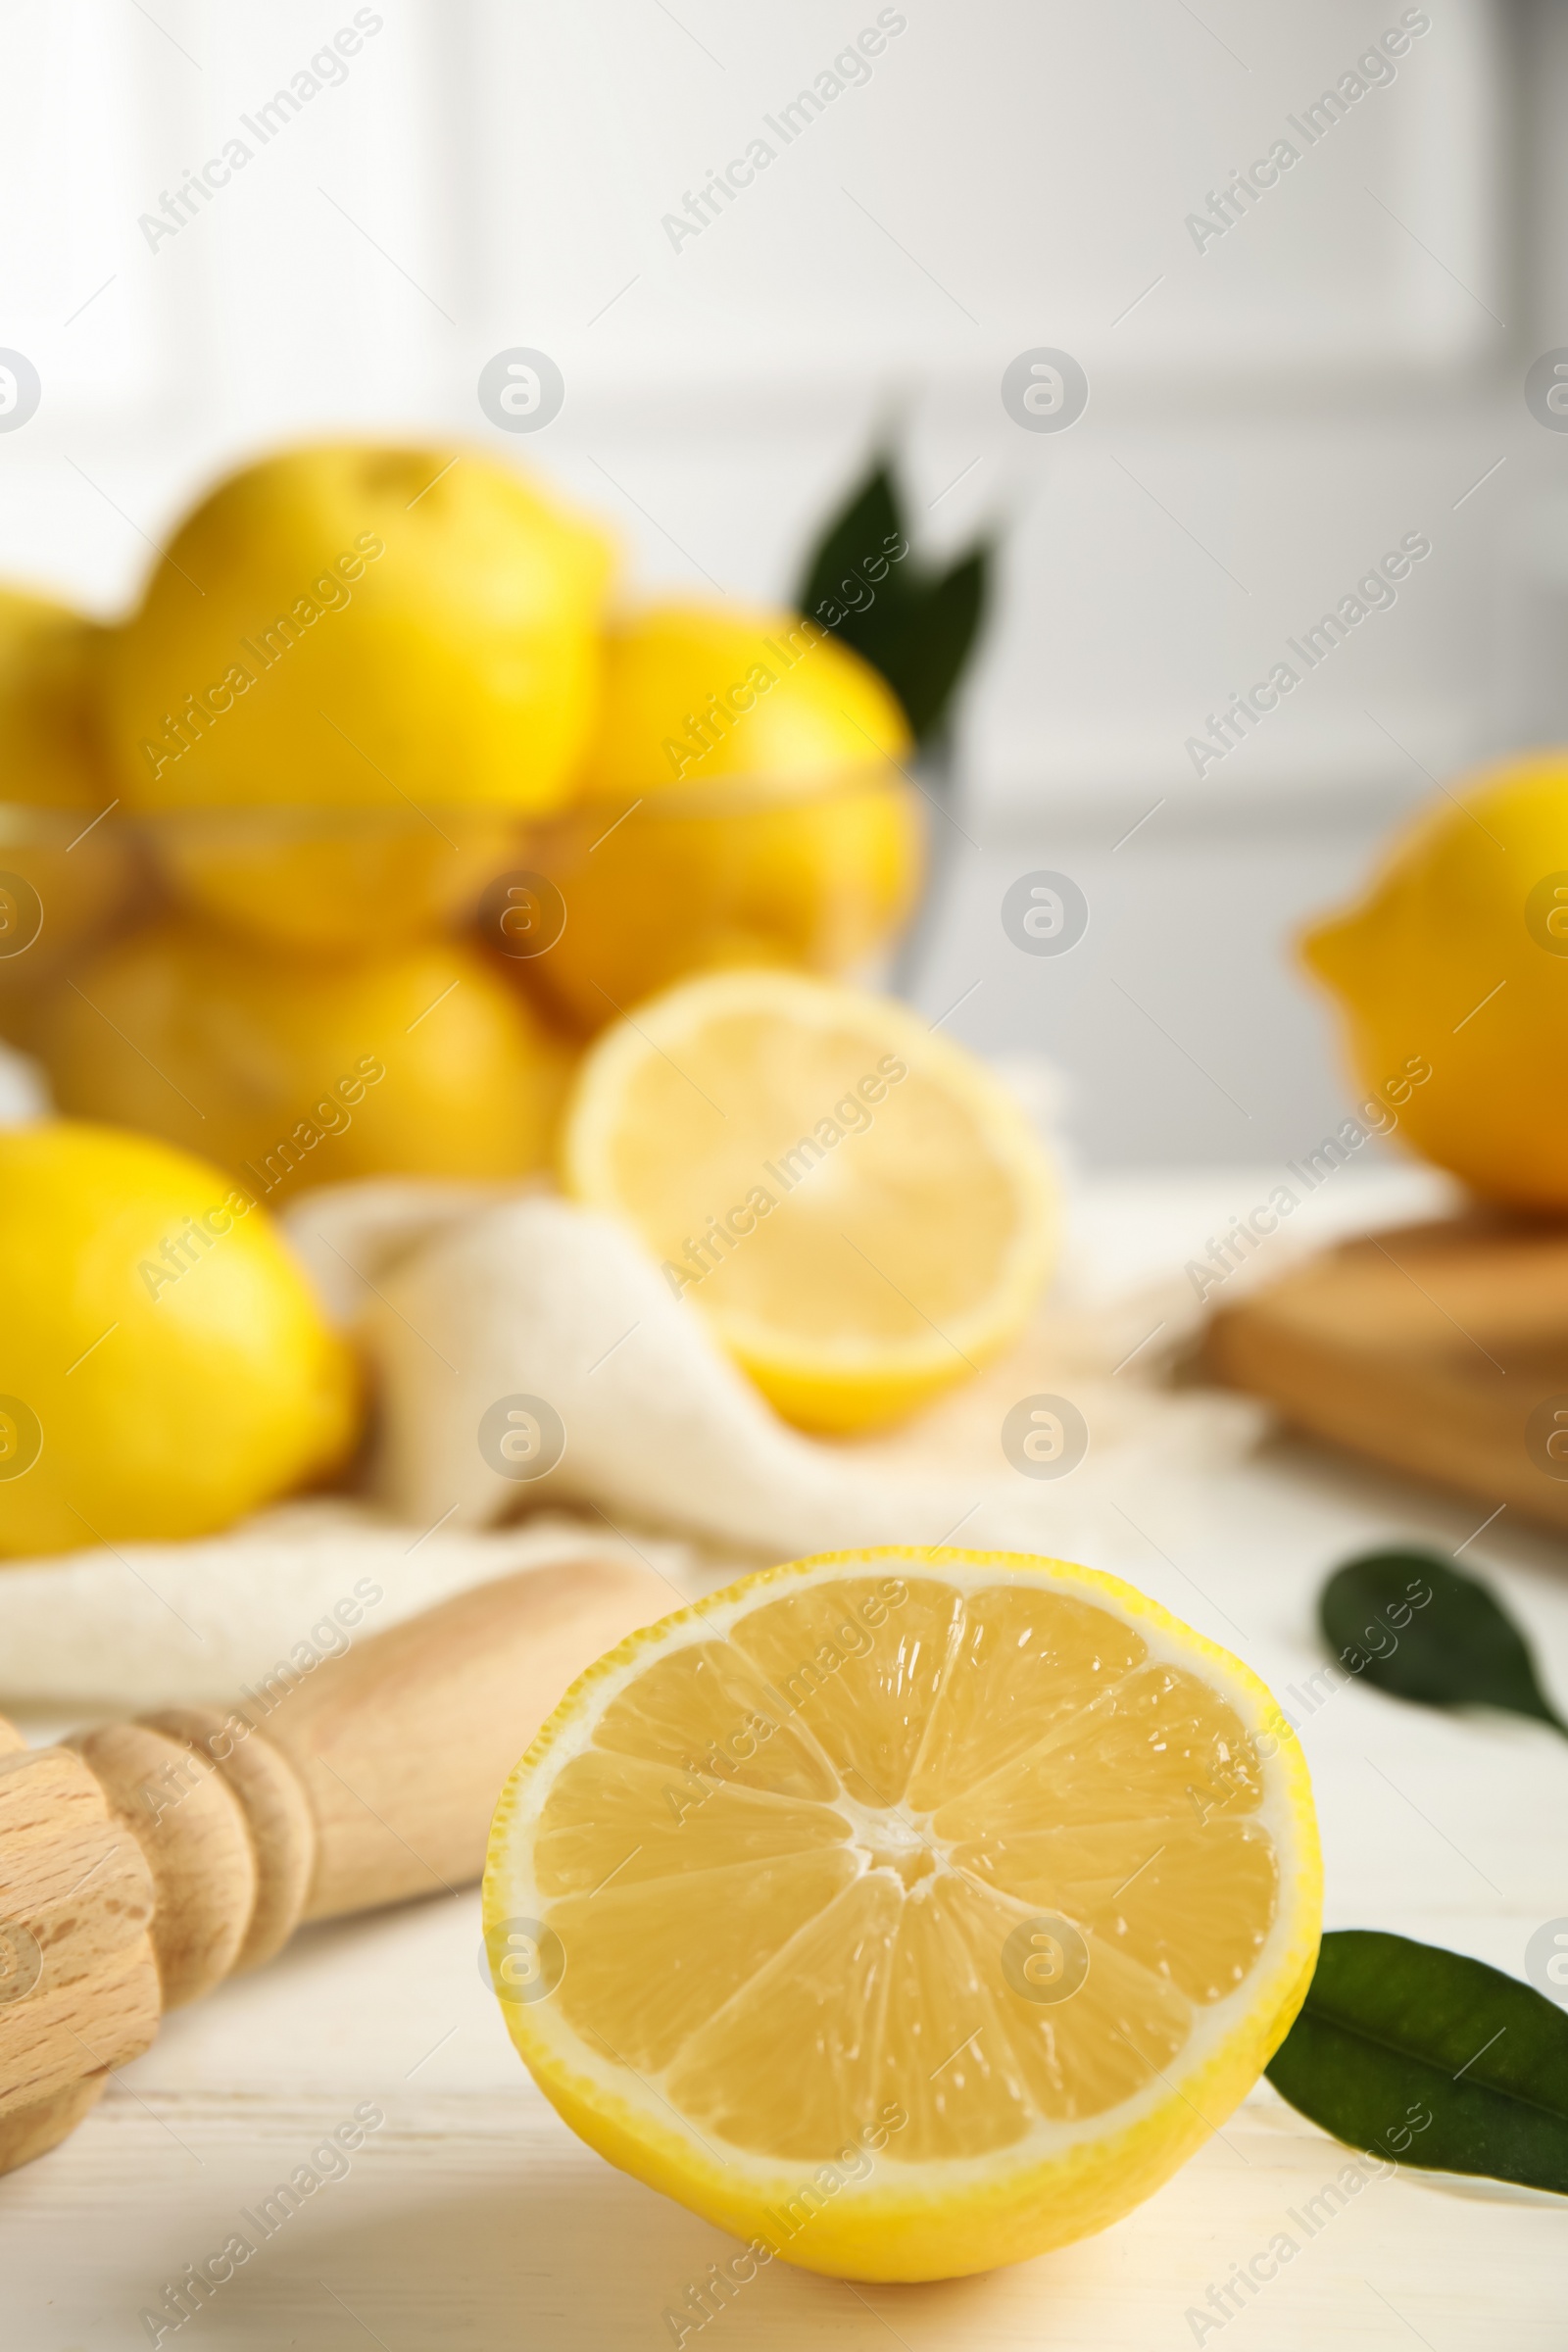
(905, 1912)
(859, 1208)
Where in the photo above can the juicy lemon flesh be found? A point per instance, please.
(905, 1160)
(858, 1208)
(832, 1867)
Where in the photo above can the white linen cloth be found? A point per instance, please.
(462, 1296)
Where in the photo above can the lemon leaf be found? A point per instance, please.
(1417, 1627)
(857, 534)
(936, 633)
(917, 627)
(1432, 2058)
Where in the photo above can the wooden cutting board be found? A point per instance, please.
(1438, 1349)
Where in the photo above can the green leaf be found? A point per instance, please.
(917, 628)
(938, 638)
(1415, 2053)
(861, 529)
(1418, 1628)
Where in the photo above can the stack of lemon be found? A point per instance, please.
(328, 861)
(356, 688)
(359, 684)
(352, 673)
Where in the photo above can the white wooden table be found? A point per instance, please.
(472, 2219)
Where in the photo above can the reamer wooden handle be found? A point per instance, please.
(143, 1862)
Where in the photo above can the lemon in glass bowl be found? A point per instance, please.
(368, 634)
(744, 801)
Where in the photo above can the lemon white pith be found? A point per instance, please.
(913, 1912)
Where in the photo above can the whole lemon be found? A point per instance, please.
(342, 627)
(163, 1368)
(289, 1073)
(693, 691)
(61, 876)
(1452, 975)
(49, 658)
(341, 881)
(744, 804)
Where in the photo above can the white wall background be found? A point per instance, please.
(1267, 415)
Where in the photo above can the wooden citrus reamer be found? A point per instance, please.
(141, 1863)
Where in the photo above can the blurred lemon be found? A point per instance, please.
(346, 627)
(343, 881)
(744, 804)
(858, 1207)
(48, 704)
(163, 1368)
(1452, 976)
(60, 881)
(291, 1073)
(694, 692)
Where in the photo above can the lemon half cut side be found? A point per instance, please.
(858, 1205)
(905, 1912)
